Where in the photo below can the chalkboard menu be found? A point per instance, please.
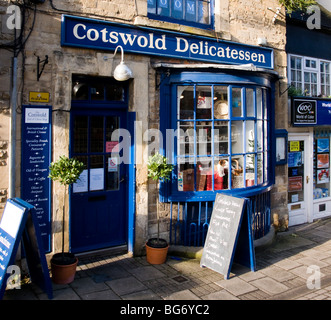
(36, 158)
(19, 222)
(229, 236)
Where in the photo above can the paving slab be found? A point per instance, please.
(269, 285)
(236, 286)
(142, 295)
(147, 273)
(125, 286)
(87, 285)
(101, 295)
(182, 295)
(287, 264)
(277, 273)
(220, 295)
(61, 294)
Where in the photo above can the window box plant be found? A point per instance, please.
(158, 170)
(66, 171)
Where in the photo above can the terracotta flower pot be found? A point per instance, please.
(63, 272)
(156, 252)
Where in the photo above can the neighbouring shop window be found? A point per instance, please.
(222, 137)
(321, 164)
(192, 12)
(310, 76)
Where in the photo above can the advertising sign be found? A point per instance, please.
(103, 35)
(36, 158)
(310, 111)
(304, 112)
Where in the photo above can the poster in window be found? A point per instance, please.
(323, 160)
(323, 176)
(295, 184)
(294, 159)
(323, 145)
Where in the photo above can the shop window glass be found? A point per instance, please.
(236, 102)
(321, 165)
(217, 150)
(192, 12)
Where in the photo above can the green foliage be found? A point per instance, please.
(295, 92)
(66, 170)
(158, 168)
(294, 5)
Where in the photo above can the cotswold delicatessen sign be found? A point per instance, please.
(97, 34)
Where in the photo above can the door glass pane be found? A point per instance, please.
(296, 171)
(80, 134)
(97, 134)
(112, 124)
(113, 171)
(96, 173)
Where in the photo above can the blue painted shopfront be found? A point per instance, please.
(242, 133)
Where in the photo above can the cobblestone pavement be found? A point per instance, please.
(296, 266)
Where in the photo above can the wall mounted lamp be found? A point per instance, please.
(122, 72)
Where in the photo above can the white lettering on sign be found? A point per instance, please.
(182, 45)
(34, 115)
(304, 107)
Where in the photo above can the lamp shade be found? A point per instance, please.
(122, 72)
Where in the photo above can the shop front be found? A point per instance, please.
(309, 160)
(215, 121)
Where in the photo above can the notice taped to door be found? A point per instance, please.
(223, 233)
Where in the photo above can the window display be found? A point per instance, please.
(321, 167)
(218, 147)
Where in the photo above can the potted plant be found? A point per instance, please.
(66, 171)
(158, 170)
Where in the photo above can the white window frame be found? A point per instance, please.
(310, 70)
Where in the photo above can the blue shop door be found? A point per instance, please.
(99, 214)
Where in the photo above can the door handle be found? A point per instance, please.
(122, 180)
(307, 179)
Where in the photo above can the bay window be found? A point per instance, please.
(222, 137)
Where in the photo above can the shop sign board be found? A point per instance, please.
(36, 158)
(104, 35)
(229, 237)
(311, 111)
(19, 224)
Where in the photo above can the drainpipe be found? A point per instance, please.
(13, 107)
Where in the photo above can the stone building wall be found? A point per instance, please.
(235, 20)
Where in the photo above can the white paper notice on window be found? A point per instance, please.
(81, 184)
(96, 179)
